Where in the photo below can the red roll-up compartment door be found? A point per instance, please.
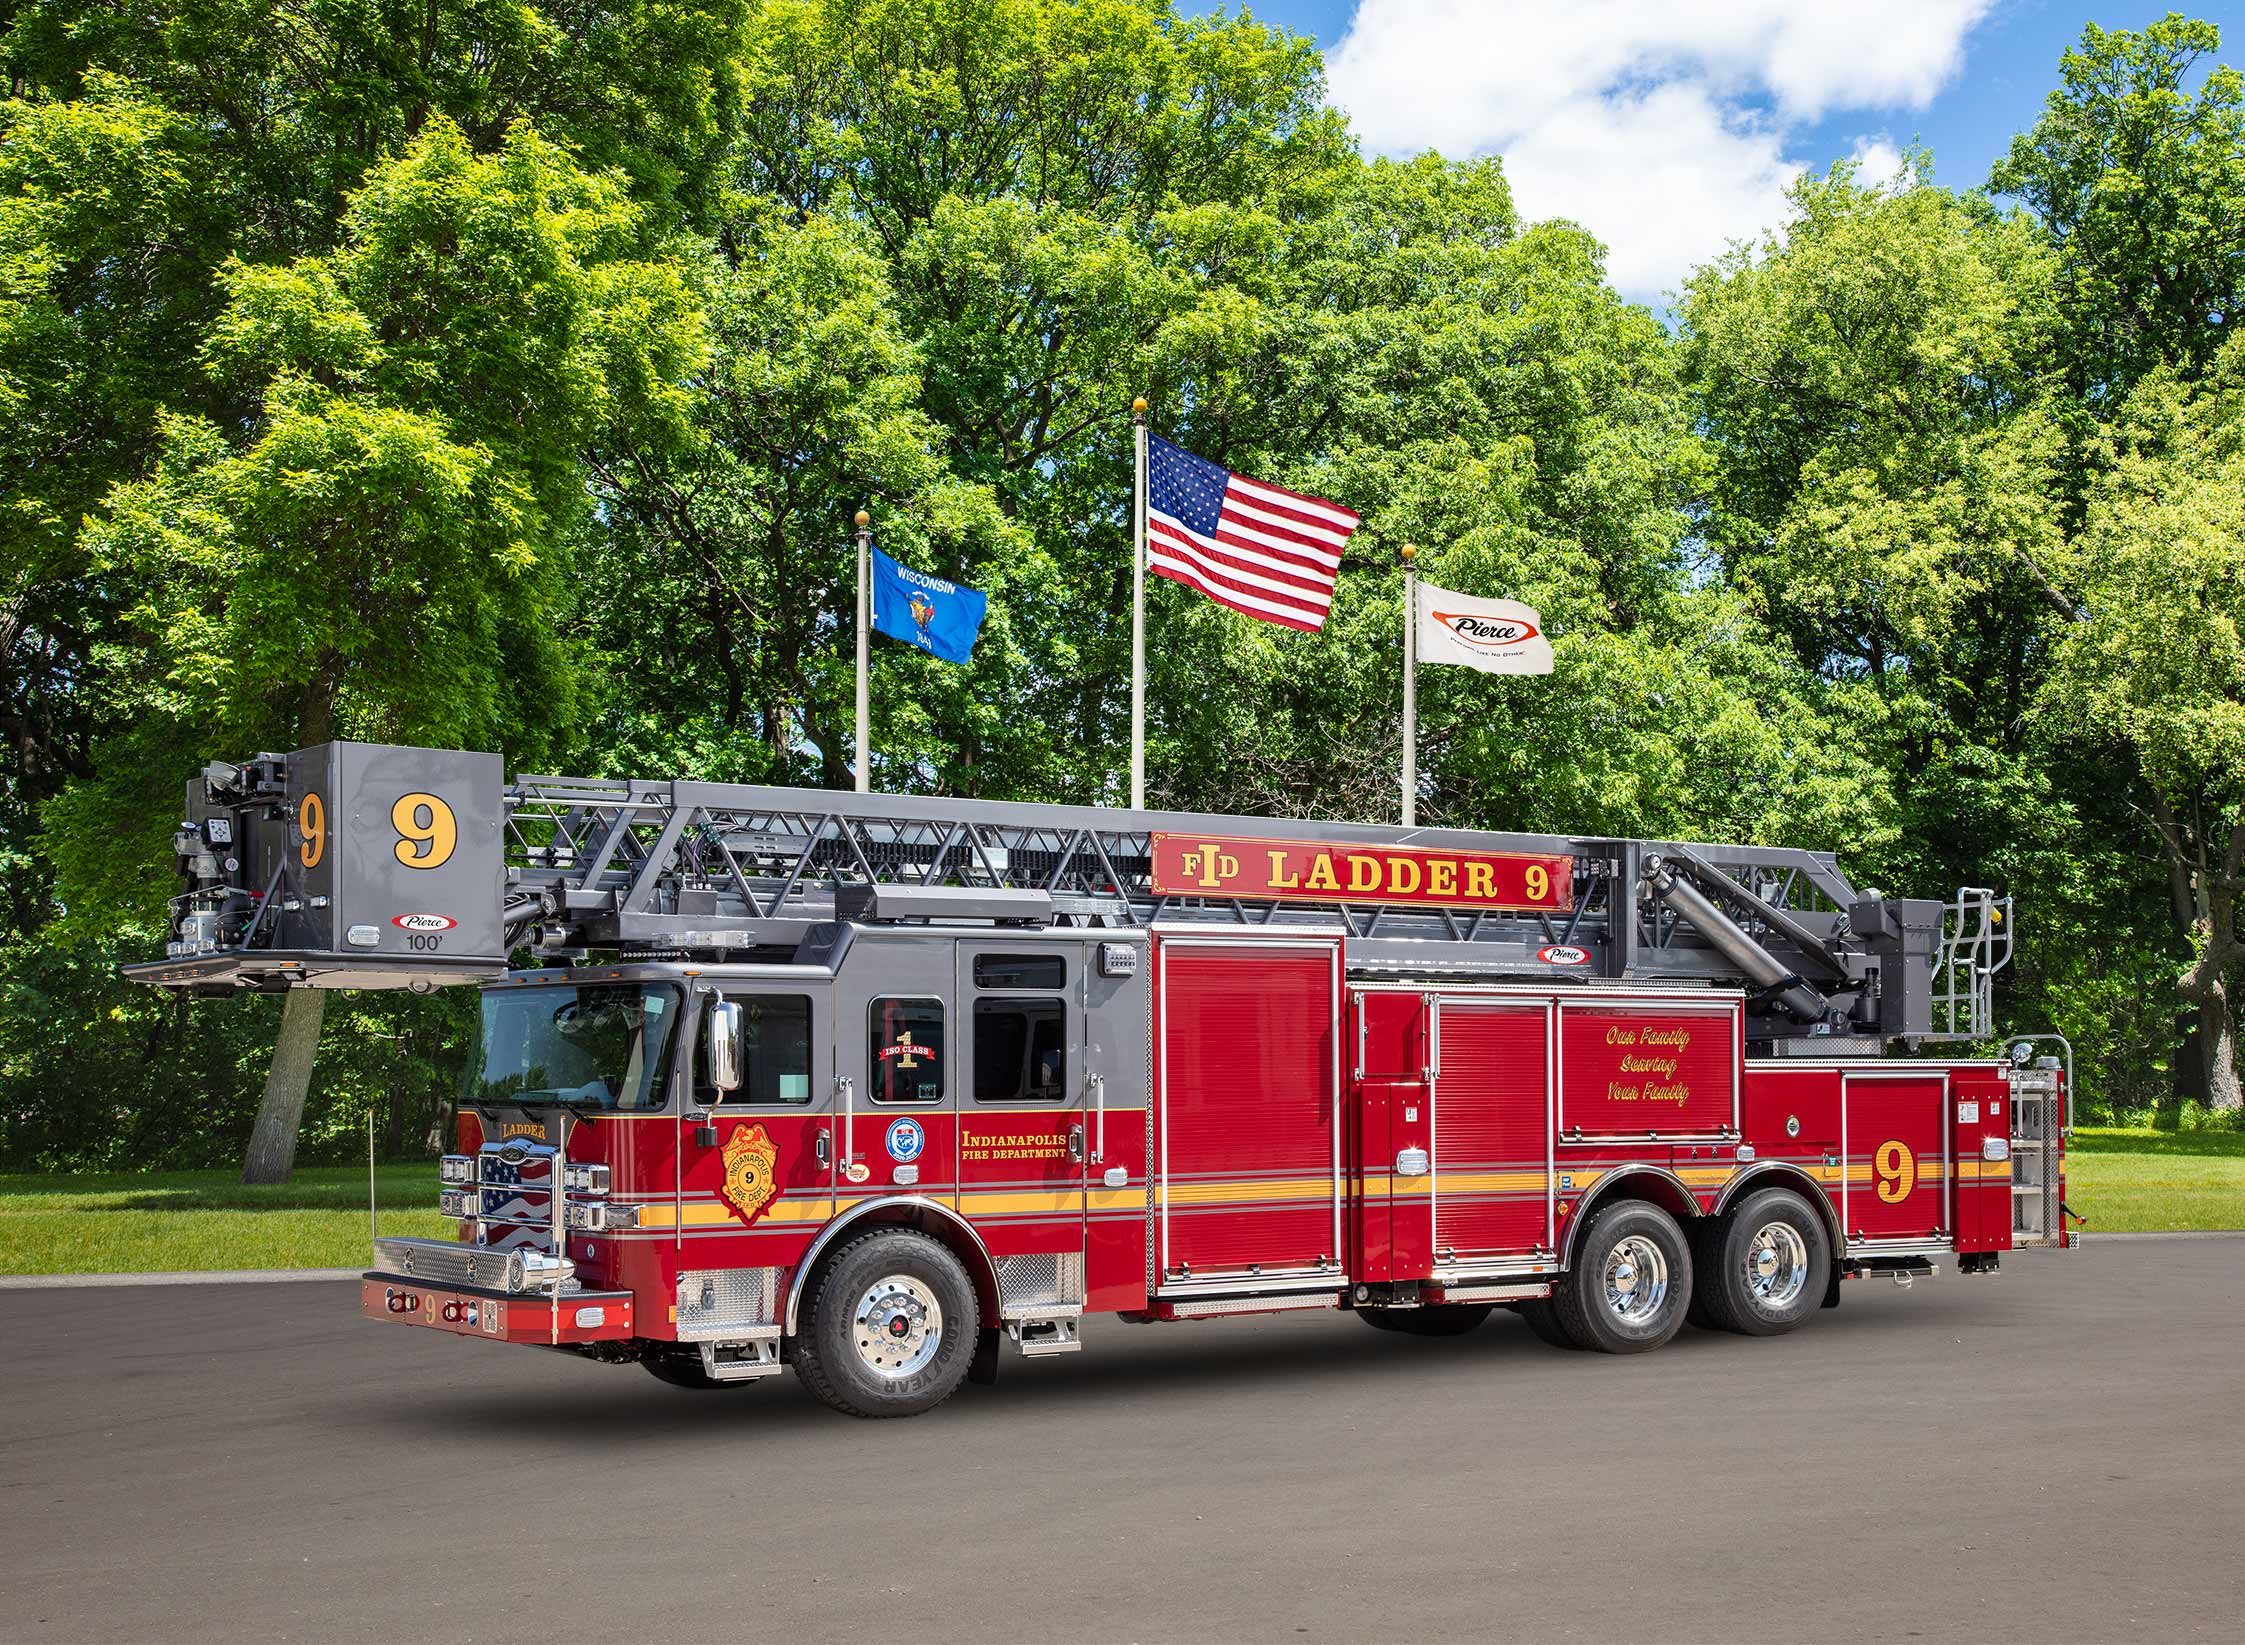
(1247, 1057)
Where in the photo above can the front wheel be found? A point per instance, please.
(1769, 1263)
(890, 1327)
(1630, 1283)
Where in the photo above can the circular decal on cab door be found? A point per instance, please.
(906, 1139)
(423, 922)
(1560, 953)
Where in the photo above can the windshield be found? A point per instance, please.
(601, 1045)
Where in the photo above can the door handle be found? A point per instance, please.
(1076, 1143)
(822, 1145)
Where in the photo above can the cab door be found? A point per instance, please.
(760, 1156)
(896, 1070)
(1024, 1123)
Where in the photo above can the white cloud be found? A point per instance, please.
(1660, 125)
(1877, 161)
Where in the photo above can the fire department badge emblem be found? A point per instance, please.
(750, 1178)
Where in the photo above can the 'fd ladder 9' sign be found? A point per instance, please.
(1217, 865)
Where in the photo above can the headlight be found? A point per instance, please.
(589, 1219)
(456, 1168)
(457, 1202)
(585, 1179)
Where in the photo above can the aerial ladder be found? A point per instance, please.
(353, 865)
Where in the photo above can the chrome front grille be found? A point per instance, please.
(438, 1263)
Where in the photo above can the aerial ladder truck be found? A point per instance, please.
(882, 1087)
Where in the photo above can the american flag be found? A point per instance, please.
(1260, 549)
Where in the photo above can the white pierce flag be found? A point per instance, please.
(1495, 636)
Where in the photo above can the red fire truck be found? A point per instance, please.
(874, 1085)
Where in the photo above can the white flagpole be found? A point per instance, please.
(864, 635)
(1410, 687)
(1138, 612)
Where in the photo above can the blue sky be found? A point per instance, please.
(1669, 127)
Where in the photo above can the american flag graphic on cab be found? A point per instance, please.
(1260, 549)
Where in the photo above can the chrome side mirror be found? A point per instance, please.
(721, 1028)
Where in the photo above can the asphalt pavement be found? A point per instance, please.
(2053, 1453)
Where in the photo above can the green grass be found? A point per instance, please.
(138, 1222)
(2141, 1181)
(130, 1223)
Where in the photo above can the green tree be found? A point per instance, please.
(727, 574)
(102, 291)
(2140, 186)
(384, 555)
(2159, 668)
(1880, 383)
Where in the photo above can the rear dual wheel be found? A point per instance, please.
(1628, 1287)
(1765, 1267)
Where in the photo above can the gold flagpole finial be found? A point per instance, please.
(1409, 551)
(1138, 406)
(863, 519)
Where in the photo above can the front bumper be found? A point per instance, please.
(476, 1311)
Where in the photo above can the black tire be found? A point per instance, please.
(1790, 1270)
(1703, 1264)
(1444, 1319)
(684, 1370)
(838, 1361)
(1652, 1296)
(1543, 1319)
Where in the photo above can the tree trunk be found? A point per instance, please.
(272, 1143)
(2206, 984)
(2218, 1038)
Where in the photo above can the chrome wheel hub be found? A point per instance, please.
(897, 1327)
(1636, 1280)
(1776, 1264)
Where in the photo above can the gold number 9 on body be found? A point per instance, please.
(427, 831)
(1897, 1171)
(1539, 882)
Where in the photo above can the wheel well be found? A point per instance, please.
(1786, 1176)
(939, 1222)
(1646, 1182)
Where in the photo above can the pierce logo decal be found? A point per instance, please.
(751, 1178)
(423, 922)
(1561, 953)
(1488, 633)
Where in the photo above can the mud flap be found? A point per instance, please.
(983, 1368)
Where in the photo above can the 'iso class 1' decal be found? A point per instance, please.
(1561, 953)
(423, 922)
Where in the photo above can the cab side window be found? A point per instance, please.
(775, 1053)
(905, 1050)
(1020, 1050)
